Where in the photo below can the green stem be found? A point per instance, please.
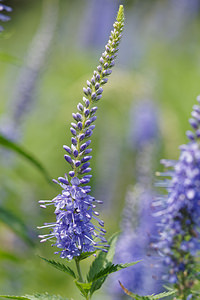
(79, 270)
(80, 275)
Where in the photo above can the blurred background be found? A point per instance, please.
(48, 50)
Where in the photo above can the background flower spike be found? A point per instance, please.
(178, 242)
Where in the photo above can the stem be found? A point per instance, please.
(80, 275)
(79, 270)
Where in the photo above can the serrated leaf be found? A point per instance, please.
(14, 297)
(111, 269)
(44, 296)
(103, 260)
(84, 288)
(149, 297)
(16, 224)
(60, 267)
(84, 255)
(161, 295)
(19, 150)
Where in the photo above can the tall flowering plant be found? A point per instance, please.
(77, 231)
(179, 241)
(73, 229)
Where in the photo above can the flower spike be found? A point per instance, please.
(73, 230)
(179, 240)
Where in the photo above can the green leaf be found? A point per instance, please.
(84, 255)
(103, 260)
(60, 267)
(14, 297)
(4, 255)
(4, 142)
(83, 287)
(16, 224)
(111, 269)
(149, 297)
(44, 296)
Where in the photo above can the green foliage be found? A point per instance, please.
(101, 267)
(60, 267)
(15, 297)
(5, 255)
(84, 255)
(103, 260)
(83, 287)
(16, 225)
(149, 297)
(4, 142)
(44, 296)
(111, 269)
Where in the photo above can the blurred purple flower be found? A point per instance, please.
(179, 239)
(73, 229)
(23, 95)
(93, 25)
(138, 226)
(144, 127)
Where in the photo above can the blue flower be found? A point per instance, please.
(73, 230)
(3, 17)
(179, 239)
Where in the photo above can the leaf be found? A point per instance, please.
(83, 287)
(84, 255)
(103, 260)
(111, 269)
(44, 296)
(150, 297)
(14, 297)
(4, 255)
(4, 142)
(161, 295)
(60, 267)
(16, 224)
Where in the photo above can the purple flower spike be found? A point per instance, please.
(179, 241)
(73, 229)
